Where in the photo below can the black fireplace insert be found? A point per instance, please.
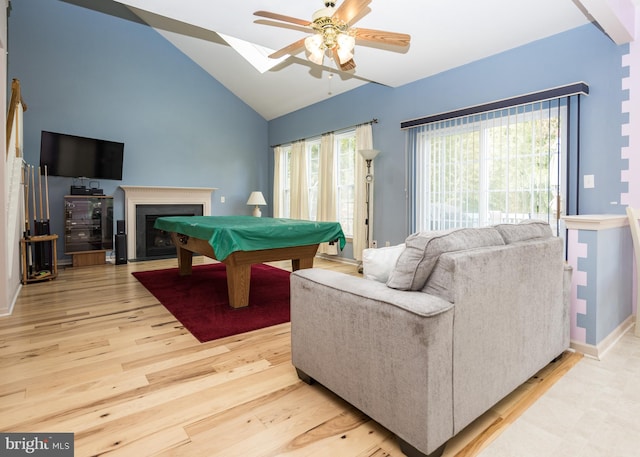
(152, 243)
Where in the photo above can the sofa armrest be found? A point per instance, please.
(416, 302)
(385, 351)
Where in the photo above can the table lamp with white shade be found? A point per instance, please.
(256, 198)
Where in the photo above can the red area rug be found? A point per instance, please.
(201, 303)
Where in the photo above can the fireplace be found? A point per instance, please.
(152, 243)
(158, 243)
(155, 202)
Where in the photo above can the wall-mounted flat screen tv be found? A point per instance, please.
(80, 157)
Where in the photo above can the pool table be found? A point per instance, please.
(240, 241)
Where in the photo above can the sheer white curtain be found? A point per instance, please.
(364, 140)
(327, 186)
(278, 188)
(299, 186)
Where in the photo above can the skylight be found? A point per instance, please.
(255, 54)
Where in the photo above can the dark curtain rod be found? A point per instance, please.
(372, 121)
(580, 88)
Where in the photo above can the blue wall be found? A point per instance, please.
(583, 54)
(92, 74)
(609, 279)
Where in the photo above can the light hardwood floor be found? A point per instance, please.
(94, 353)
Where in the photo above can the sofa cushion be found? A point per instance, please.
(423, 250)
(525, 230)
(377, 263)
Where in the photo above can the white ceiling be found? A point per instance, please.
(444, 34)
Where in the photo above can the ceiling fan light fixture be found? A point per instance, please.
(346, 44)
(315, 48)
(313, 43)
(344, 55)
(346, 41)
(317, 57)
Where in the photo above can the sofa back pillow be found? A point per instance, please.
(377, 263)
(424, 248)
(525, 230)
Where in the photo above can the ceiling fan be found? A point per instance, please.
(333, 32)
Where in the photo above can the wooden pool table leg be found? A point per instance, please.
(185, 261)
(238, 280)
(302, 263)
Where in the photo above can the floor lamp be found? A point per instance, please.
(368, 155)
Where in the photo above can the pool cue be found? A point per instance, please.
(47, 250)
(28, 263)
(37, 225)
(25, 183)
(33, 194)
(40, 191)
(44, 260)
(46, 189)
(43, 224)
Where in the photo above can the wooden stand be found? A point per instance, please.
(36, 276)
(83, 259)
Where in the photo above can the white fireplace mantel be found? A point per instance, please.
(160, 195)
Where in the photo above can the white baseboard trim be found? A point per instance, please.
(598, 351)
(9, 311)
(336, 258)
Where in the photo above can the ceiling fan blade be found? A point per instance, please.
(380, 36)
(349, 9)
(347, 66)
(293, 48)
(283, 18)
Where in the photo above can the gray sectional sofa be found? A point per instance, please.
(464, 318)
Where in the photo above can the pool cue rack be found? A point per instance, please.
(38, 249)
(28, 246)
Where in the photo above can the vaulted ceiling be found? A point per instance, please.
(224, 37)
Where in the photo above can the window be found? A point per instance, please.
(284, 170)
(344, 150)
(313, 176)
(491, 167)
